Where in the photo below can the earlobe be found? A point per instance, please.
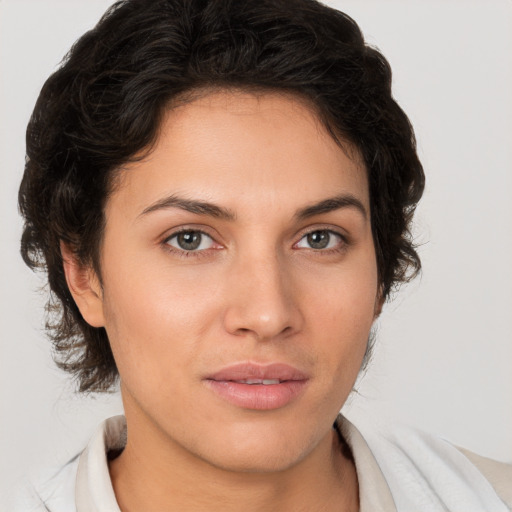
(379, 303)
(85, 287)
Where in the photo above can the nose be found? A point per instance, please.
(263, 300)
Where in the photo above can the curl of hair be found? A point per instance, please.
(104, 104)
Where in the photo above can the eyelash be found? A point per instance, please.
(182, 252)
(342, 246)
(344, 242)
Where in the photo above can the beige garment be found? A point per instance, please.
(375, 494)
(499, 474)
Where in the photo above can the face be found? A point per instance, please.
(239, 281)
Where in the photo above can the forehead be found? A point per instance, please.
(244, 149)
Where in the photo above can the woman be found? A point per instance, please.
(221, 195)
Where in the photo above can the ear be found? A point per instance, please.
(85, 287)
(379, 303)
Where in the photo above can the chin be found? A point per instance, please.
(251, 449)
(262, 460)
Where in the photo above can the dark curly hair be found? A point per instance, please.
(103, 106)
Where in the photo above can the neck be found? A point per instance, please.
(152, 473)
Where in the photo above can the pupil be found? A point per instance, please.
(318, 239)
(189, 240)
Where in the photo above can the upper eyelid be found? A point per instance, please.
(184, 229)
(344, 238)
(331, 229)
(176, 233)
(187, 230)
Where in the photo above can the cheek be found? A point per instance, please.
(341, 313)
(344, 293)
(156, 320)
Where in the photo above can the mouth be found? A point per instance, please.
(265, 382)
(256, 386)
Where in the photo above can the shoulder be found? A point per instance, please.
(425, 472)
(58, 492)
(83, 483)
(52, 491)
(499, 474)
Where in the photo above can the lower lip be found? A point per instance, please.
(258, 396)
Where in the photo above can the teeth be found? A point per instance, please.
(265, 382)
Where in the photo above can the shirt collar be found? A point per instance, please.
(94, 491)
(374, 492)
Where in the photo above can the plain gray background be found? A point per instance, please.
(444, 353)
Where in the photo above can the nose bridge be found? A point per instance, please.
(261, 299)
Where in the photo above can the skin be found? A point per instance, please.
(255, 290)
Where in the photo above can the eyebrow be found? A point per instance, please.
(332, 204)
(219, 212)
(190, 205)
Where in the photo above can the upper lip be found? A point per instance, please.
(248, 370)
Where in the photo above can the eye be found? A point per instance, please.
(320, 239)
(190, 240)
